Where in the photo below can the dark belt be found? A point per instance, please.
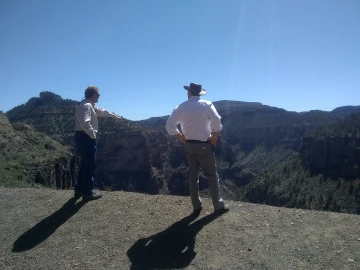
(196, 141)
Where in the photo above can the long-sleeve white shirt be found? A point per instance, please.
(86, 115)
(198, 118)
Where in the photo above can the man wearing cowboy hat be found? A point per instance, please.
(86, 126)
(200, 125)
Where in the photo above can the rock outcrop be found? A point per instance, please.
(4, 123)
(49, 96)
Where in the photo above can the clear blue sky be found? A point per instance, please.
(293, 54)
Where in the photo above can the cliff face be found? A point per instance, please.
(127, 161)
(333, 157)
(61, 173)
(28, 156)
(335, 152)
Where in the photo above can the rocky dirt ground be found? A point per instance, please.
(48, 229)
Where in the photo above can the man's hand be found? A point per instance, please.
(116, 117)
(181, 138)
(213, 138)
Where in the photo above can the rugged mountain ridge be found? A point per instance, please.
(264, 153)
(250, 124)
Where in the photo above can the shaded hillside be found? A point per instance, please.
(28, 157)
(47, 229)
(325, 175)
(335, 152)
(291, 184)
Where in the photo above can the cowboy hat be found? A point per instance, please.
(196, 89)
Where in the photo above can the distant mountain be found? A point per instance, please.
(160, 121)
(345, 111)
(249, 124)
(228, 108)
(157, 123)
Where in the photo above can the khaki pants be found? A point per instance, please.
(202, 154)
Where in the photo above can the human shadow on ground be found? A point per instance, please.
(45, 228)
(170, 249)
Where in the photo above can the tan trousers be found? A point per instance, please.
(202, 155)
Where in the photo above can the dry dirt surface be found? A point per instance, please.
(48, 229)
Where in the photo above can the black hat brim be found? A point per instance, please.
(202, 92)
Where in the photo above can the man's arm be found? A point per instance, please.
(171, 125)
(215, 124)
(100, 112)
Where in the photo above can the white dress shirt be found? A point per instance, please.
(86, 117)
(198, 118)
